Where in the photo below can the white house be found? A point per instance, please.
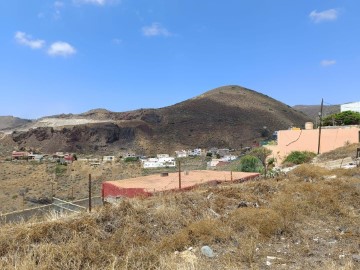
(213, 162)
(181, 154)
(352, 106)
(162, 162)
(36, 157)
(108, 158)
(195, 152)
(229, 158)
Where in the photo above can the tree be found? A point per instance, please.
(261, 153)
(343, 118)
(250, 163)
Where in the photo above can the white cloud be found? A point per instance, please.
(155, 29)
(95, 2)
(27, 40)
(61, 48)
(326, 15)
(327, 63)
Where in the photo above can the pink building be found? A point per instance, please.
(19, 155)
(308, 139)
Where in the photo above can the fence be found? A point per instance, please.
(58, 205)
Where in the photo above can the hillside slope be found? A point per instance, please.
(313, 110)
(7, 122)
(228, 116)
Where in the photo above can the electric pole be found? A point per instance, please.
(320, 120)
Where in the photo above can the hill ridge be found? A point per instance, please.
(227, 116)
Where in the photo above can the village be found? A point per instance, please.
(159, 161)
(163, 171)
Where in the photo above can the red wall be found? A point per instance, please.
(110, 190)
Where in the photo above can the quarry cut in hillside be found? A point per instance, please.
(229, 116)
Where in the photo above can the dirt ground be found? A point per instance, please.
(22, 182)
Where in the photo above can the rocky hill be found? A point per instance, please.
(229, 116)
(7, 122)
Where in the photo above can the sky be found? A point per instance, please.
(70, 56)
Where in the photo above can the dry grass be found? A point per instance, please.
(339, 153)
(303, 223)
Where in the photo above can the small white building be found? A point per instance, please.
(36, 157)
(352, 106)
(108, 158)
(229, 158)
(214, 162)
(195, 152)
(181, 154)
(163, 162)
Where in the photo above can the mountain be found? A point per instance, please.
(10, 122)
(313, 110)
(229, 116)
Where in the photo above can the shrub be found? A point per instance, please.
(60, 169)
(299, 157)
(343, 118)
(250, 163)
(131, 159)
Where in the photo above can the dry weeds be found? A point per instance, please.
(301, 221)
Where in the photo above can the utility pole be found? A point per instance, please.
(320, 120)
(179, 174)
(89, 192)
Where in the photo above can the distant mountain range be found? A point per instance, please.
(313, 110)
(229, 116)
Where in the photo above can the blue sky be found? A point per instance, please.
(70, 56)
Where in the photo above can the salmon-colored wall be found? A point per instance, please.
(109, 190)
(307, 140)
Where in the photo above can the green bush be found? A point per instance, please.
(60, 169)
(131, 159)
(299, 157)
(250, 163)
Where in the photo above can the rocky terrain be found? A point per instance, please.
(230, 116)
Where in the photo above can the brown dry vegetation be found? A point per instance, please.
(71, 184)
(342, 152)
(307, 220)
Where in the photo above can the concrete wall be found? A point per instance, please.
(307, 140)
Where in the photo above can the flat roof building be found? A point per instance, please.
(351, 106)
(147, 185)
